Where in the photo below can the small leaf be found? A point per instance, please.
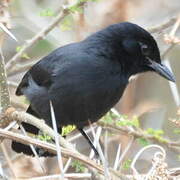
(75, 8)
(24, 55)
(79, 167)
(67, 129)
(44, 137)
(126, 164)
(47, 13)
(158, 132)
(142, 141)
(67, 23)
(108, 118)
(125, 122)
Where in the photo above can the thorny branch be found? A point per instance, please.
(142, 134)
(50, 147)
(63, 12)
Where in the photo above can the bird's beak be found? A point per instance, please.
(161, 70)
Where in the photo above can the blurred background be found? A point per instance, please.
(149, 96)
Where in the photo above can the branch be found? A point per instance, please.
(64, 11)
(4, 92)
(51, 148)
(142, 134)
(162, 26)
(5, 23)
(12, 115)
(20, 68)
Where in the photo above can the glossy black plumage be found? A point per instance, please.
(85, 79)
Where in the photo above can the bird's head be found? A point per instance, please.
(140, 50)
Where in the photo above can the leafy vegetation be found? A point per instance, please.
(67, 129)
(79, 167)
(126, 164)
(47, 12)
(44, 137)
(143, 141)
(156, 133)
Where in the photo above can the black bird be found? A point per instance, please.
(85, 80)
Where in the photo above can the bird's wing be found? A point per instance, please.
(38, 74)
(42, 71)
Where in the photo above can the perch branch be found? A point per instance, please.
(50, 147)
(13, 115)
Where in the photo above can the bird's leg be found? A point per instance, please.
(89, 141)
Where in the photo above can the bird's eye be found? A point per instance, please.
(145, 49)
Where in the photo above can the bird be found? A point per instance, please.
(85, 79)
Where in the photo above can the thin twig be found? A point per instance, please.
(117, 157)
(69, 175)
(95, 142)
(34, 151)
(162, 26)
(104, 161)
(20, 68)
(68, 163)
(5, 29)
(142, 134)
(6, 155)
(63, 12)
(125, 151)
(56, 137)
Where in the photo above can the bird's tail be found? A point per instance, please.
(26, 149)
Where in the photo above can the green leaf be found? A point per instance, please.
(108, 118)
(125, 122)
(67, 23)
(158, 132)
(142, 141)
(24, 55)
(47, 13)
(44, 137)
(79, 167)
(78, 6)
(67, 129)
(127, 164)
